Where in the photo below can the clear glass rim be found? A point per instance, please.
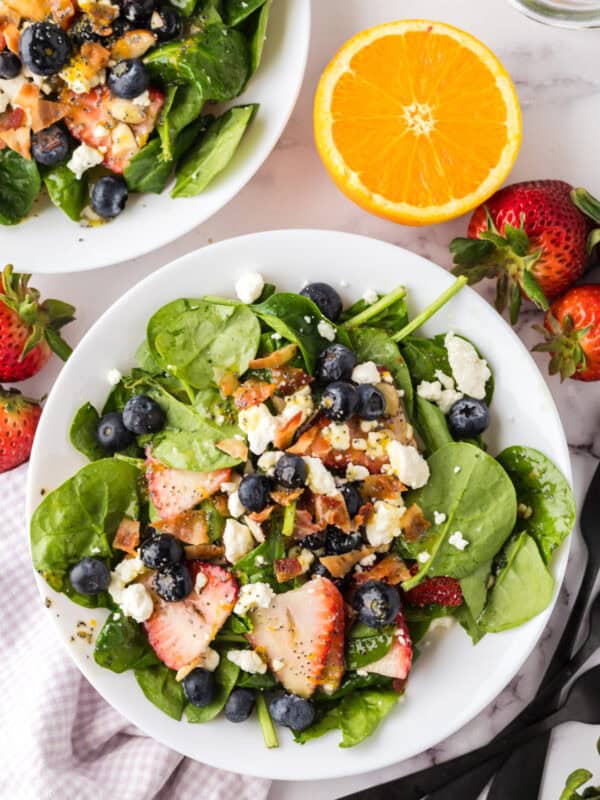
(566, 17)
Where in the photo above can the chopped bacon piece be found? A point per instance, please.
(63, 12)
(390, 569)
(287, 568)
(275, 359)
(133, 44)
(262, 516)
(303, 445)
(285, 497)
(303, 524)
(413, 523)
(289, 379)
(11, 36)
(285, 434)
(206, 552)
(220, 503)
(364, 512)
(42, 113)
(18, 140)
(94, 55)
(381, 487)
(127, 537)
(11, 120)
(332, 510)
(236, 448)
(253, 393)
(340, 566)
(190, 527)
(228, 384)
(35, 10)
(101, 16)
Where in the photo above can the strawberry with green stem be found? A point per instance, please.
(19, 418)
(29, 329)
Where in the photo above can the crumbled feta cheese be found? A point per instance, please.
(306, 558)
(366, 372)
(83, 158)
(446, 381)
(249, 287)
(276, 336)
(235, 506)
(259, 425)
(370, 296)
(129, 569)
(423, 557)
(362, 672)
(326, 330)
(377, 442)
(255, 529)
(384, 523)
(356, 472)
(368, 561)
(457, 470)
(113, 376)
(237, 540)
(470, 372)
(200, 582)
(248, 661)
(368, 425)
(408, 464)
(261, 561)
(299, 401)
(319, 479)
(229, 487)
(307, 319)
(338, 435)
(458, 540)
(143, 100)
(253, 595)
(387, 377)
(430, 390)
(441, 392)
(9, 89)
(136, 602)
(439, 517)
(344, 283)
(156, 21)
(100, 131)
(359, 444)
(77, 78)
(268, 461)
(277, 664)
(211, 660)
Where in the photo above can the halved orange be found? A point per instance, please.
(417, 121)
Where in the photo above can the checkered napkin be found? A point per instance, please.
(59, 740)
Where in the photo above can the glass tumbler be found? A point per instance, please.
(564, 13)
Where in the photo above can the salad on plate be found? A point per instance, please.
(284, 495)
(101, 99)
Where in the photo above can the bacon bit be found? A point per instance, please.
(276, 359)
(228, 384)
(63, 12)
(101, 16)
(2, 39)
(339, 566)
(94, 55)
(253, 393)
(11, 36)
(220, 503)
(236, 448)
(286, 569)
(133, 44)
(332, 511)
(390, 569)
(289, 379)
(381, 487)
(42, 113)
(285, 434)
(262, 516)
(402, 430)
(205, 552)
(303, 524)
(127, 537)
(364, 512)
(413, 523)
(305, 442)
(190, 527)
(285, 497)
(35, 10)
(10, 120)
(18, 140)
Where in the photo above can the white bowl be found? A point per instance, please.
(452, 680)
(48, 241)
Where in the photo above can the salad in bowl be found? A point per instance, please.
(284, 496)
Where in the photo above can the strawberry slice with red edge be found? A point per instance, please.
(181, 632)
(335, 664)
(439, 591)
(396, 663)
(174, 491)
(296, 634)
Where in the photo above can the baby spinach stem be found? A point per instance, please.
(289, 517)
(376, 308)
(422, 318)
(266, 723)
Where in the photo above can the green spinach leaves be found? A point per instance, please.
(20, 183)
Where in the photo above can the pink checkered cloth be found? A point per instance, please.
(59, 739)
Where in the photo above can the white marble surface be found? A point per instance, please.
(557, 74)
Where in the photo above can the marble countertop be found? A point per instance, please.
(557, 74)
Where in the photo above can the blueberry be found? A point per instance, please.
(325, 298)
(337, 542)
(10, 65)
(377, 604)
(314, 541)
(109, 196)
(128, 79)
(321, 571)
(161, 550)
(173, 582)
(339, 400)
(89, 576)
(239, 705)
(111, 434)
(292, 711)
(371, 402)
(335, 364)
(50, 146)
(352, 498)
(468, 417)
(199, 687)
(138, 11)
(142, 415)
(170, 26)
(290, 471)
(45, 48)
(255, 492)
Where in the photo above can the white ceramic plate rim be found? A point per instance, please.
(272, 766)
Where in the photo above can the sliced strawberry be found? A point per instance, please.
(335, 664)
(440, 591)
(299, 628)
(190, 527)
(276, 359)
(174, 491)
(181, 632)
(397, 662)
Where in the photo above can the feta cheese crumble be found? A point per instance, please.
(237, 540)
(356, 472)
(326, 330)
(370, 296)
(439, 517)
(423, 557)
(278, 663)
(299, 401)
(384, 523)
(319, 480)
(366, 372)
(259, 425)
(143, 100)
(458, 540)
(113, 376)
(408, 464)
(470, 372)
(253, 595)
(200, 582)
(249, 286)
(235, 506)
(248, 661)
(268, 461)
(83, 158)
(441, 391)
(338, 435)
(136, 602)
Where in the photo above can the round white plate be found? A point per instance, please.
(452, 681)
(48, 241)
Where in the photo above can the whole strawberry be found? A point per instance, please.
(29, 330)
(19, 418)
(533, 237)
(572, 334)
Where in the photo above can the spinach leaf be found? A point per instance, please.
(256, 682)
(213, 153)
(391, 319)
(479, 501)
(123, 645)
(215, 60)
(237, 11)
(360, 713)
(297, 318)
(474, 588)
(198, 341)
(65, 190)
(256, 30)
(366, 645)
(59, 581)
(226, 676)
(82, 433)
(544, 495)
(257, 565)
(575, 781)
(146, 360)
(328, 721)
(371, 344)
(431, 424)
(160, 687)
(185, 7)
(20, 184)
(81, 516)
(182, 108)
(209, 12)
(523, 588)
(351, 682)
